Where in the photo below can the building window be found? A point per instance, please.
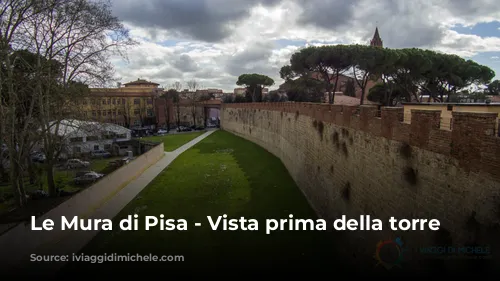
(108, 136)
(109, 112)
(104, 101)
(119, 112)
(96, 147)
(109, 101)
(104, 113)
(114, 101)
(150, 101)
(137, 101)
(150, 113)
(117, 101)
(92, 138)
(77, 139)
(123, 101)
(114, 113)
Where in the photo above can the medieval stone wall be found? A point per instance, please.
(361, 161)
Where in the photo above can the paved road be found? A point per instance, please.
(74, 241)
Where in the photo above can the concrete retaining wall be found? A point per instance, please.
(18, 243)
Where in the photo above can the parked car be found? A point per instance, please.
(184, 129)
(38, 157)
(76, 164)
(161, 132)
(38, 194)
(199, 128)
(81, 173)
(119, 162)
(100, 154)
(88, 178)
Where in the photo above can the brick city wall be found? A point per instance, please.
(348, 161)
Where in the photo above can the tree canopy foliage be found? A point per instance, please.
(50, 50)
(254, 83)
(494, 88)
(406, 73)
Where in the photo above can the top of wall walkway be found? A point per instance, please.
(472, 138)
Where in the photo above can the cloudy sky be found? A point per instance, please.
(214, 41)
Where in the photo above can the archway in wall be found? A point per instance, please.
(211, 116)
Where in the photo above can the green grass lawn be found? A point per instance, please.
(223, 174)
(174, 141)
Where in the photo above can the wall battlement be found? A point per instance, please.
(472, 139)
(363, 161)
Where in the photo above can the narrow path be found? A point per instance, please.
(74, 241)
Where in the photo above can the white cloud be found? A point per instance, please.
(467, 45)
(258, 41)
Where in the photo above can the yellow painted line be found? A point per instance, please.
(98, 205)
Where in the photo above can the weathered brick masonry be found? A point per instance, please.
(347, 160)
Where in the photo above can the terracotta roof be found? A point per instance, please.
(141, 82)
(495, 98)
(121, 94)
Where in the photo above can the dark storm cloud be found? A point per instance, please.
(402, 26)
(185, 63)
(205, 20)
(471, 10)
(402, 23)
(326, 14)
(252, 58)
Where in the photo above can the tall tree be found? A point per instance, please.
(80, 35)
(171, 96)
(365, 60)
(325, 63)
(494, 88)
(301, 87)
(254, 83)
(193, 97)
(176, 99)
(350, 89)
(14, 132)
(127, 110)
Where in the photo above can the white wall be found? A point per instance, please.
(88, 146)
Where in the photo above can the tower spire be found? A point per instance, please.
(376, 41)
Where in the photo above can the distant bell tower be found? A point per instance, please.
(376, 41)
